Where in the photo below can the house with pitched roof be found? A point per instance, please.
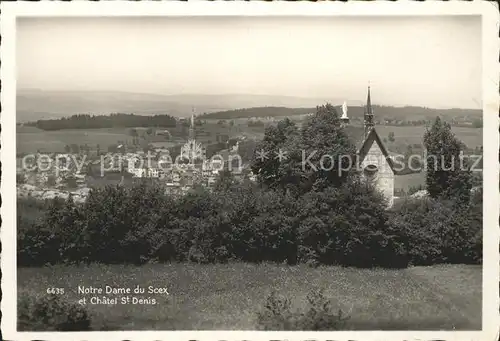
(374, 160)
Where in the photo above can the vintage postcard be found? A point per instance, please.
(250, 171)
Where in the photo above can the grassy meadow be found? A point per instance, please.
(30, 139)
(406, 181)
(228, 296)
(405, 135)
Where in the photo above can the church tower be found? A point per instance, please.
(191, 127)
(368, 118)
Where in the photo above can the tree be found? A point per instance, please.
(113, 148)
(67, 148)
(149, 131)
(20, 178)
(75, 148)
(477, 123)
(448, 176)
(146, 146)
(330, 154)
(246, 149)
(314, 157)
(224, 181)
(391, 137)
(264, 162)
(133, 132)
(348, 225)
(51, 181)
(70, 182)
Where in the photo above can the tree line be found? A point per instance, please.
(396, 115)
(85, 121)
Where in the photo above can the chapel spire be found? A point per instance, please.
(191, 126)
(368, 118)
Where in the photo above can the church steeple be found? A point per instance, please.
(191, 126)
(368, 119)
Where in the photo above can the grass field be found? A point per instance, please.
(406, 181)
(30, 139)
(54, 141)
(405, 135)
(227, 297)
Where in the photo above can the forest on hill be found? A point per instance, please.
(258, 112)
(388, 113)
(101, 121)
(383, 114)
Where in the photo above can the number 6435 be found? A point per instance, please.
(55, 291)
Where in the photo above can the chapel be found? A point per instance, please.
(375, 162)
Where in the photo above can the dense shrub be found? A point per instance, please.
(349, 226)
(269, 234)
(277, 314)
(346, 225)
(36, 245)
(50, 313)
(441, 231)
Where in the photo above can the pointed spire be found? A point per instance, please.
(368, 119)
(191, 126)
(368, 102)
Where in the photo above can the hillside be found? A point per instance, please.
(356, 112)
(258, 112)
(35, 104)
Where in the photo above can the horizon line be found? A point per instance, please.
(324, 101)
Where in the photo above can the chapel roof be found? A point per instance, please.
(367, 143)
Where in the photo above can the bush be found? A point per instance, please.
(349, 226)
(50, 313)
(270, 233)
(36, 245)
(278, 315)
(441, 231)
(346, 225)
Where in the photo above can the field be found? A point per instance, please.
(30, 139)
(407, 181)
(228, 296)
(405, 135)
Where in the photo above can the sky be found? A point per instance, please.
(430, 61)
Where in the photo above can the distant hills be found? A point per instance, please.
(35, 104)
(355, 112)
(256, 112)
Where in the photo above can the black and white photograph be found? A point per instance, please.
(250, 172)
